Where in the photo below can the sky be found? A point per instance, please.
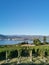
(24, 17)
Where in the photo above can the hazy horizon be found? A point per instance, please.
(27, 34)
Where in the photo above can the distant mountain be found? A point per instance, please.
(22, 37)
(2, 36)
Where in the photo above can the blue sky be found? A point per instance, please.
(24, 17)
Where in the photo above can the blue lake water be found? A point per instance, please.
(10, 42)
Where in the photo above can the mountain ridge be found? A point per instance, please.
(22, 37)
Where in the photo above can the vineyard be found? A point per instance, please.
(24, 54)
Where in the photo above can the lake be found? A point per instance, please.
(10, 42)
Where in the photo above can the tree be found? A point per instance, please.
(44, 40)
(36, 41)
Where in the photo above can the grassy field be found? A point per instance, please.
(19, 47)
